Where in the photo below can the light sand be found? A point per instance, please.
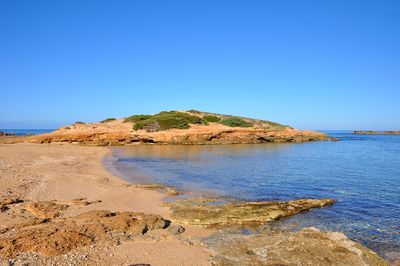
(66, 172)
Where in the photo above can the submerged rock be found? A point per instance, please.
(154, 186)
(205, 211)
(306, 247)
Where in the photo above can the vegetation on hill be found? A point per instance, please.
(163, 121)
(235, 122)
(182, 120)
(107, 120)
(137, 118)
(255, 122)
(211, 118)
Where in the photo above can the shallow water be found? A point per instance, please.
(361, 171)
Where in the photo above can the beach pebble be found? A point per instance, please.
(176, 229)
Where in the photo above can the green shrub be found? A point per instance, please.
(211, 118)
(172, 122)
(107, 120)
(149, 125)
(136, 118)
(191, 119)
(236, 122)
(79, 123)
(166, 120)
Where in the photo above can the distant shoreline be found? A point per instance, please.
(372, 132)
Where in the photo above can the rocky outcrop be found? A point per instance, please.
(119, 133)
(211, 212)
(48, 234)
(226, 135)
(113, 133)
(377, 132)
(2, 133)
(306, 247)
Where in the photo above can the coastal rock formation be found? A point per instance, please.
(52, 237)
(2, 133)
(206, 211)
(219, 134)
(123, 132)
(306, 247)
(371, 132)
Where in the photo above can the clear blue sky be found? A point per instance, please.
(310, 64)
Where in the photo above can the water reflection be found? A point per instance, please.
(192, 152)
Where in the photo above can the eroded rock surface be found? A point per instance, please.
(46, 209)
(205, 211)
(59, 236)
(306, 247)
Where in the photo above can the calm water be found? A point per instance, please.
(361, 171)
(24, 132)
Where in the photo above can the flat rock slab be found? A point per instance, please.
(204, 211)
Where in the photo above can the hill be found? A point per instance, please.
(178, 127)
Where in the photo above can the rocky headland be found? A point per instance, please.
(177, 127)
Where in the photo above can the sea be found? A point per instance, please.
(362, 172)
(25, 132)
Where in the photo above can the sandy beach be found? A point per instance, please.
(65, 172)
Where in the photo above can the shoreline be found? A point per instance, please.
(373, 132)
(67, 172)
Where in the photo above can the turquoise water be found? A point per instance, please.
(361, 171)
(24, 132)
